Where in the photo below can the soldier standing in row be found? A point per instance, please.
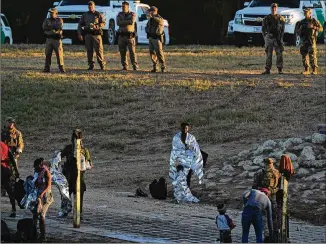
(273, 31)
(308, 29)
(90, 26)
(126, 22)
(53, 31)
(155, 34)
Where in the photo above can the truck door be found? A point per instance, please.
(141, 24)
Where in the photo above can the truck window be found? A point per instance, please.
(281, 3)
(85, 2)
(139, 11)
(314, 3)
(4, 20)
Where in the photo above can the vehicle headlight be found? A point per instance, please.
(288, 19)
(238, 19)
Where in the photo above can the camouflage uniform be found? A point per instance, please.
(126, 32)
(259, 183)
(273, 31)
(53, 32)
(91, 24)
(308, 31)
(155, 32)
(13, 139)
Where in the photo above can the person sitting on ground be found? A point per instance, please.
(44, 194)
(186, 151)
(224, 224)
(255, 202)
(181, 190)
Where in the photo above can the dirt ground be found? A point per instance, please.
(129, 118)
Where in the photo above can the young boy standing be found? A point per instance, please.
(224, 224)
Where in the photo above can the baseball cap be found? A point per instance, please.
(53, 10)
(11, 120)
(153, 8)
(307, 10)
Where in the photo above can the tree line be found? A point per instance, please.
(191, 21)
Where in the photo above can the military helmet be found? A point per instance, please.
(274, 5)
(53, 10)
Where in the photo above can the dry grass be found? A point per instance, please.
(130, 117)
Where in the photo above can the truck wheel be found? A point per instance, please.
(111, 37)
(239, 40)
(297, 39)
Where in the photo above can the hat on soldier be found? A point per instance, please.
(153, 8)
(307, 10)
(268, 161)
(10, 120)
(274, 5)
(91, 3)
(53, 10)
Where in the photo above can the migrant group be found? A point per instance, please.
(186, 159)
(91, 24)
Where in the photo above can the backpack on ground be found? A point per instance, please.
(158, 189)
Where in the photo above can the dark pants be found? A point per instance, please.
(8, 182)
(70, 171)
(252, 215)
(225, 236)
(205, 156)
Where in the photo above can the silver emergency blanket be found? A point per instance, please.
(58, 179)
(189, 156)
(181, 190)
(29, 200)
(61, 182)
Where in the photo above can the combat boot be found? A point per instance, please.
(91, 67)
(280, 71)
(306, 71)
(62, 69)
(162, 69)
(46, 70)
(266, 72)
(124, 68)
(315, 71)
(135, 67)
(102, 66)
(154, 70)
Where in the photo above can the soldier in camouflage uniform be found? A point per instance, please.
(267, 180)
(90, 25)
(126, 22)
(155, 32)
(273, 31)
(14, 140)
(308, 29)
(53, 31)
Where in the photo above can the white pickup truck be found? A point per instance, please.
(71, 11)
(248, 21)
